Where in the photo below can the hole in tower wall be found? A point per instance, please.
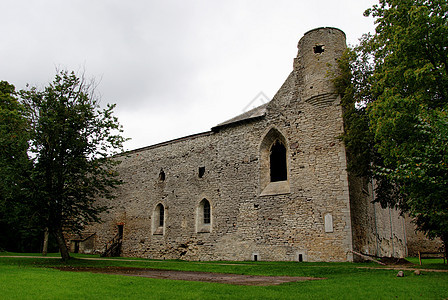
(201, 172)
(162, 175)
(319, 49)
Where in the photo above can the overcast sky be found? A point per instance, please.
(173, 67)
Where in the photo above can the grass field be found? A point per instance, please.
(33, 278)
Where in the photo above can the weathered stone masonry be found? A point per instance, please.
(303, 213)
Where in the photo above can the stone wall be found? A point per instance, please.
(305, 217)
(417, 241)
(376, 231)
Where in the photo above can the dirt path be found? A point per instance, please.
(192, 276)
(206, 276)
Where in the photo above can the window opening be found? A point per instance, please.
(161, 175)
(201, 172)
(278, 162)
(206, 212)
(274, 164)
(120, 231)
(318, 49)
(161, 215)
(158, 220)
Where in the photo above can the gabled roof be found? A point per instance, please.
(257, 112)
(254, 113)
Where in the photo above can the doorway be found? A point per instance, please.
(76, 250)
(120, 231)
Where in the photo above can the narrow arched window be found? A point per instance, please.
(204, 216)
(158, 220)
(206, 210)
(161, 175)
(277, 160)
(161, 215)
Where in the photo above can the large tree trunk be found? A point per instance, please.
(45, 247)
(65, 255)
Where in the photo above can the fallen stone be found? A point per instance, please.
(400, 274)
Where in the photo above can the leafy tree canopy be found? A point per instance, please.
(13, 140)
(396, 108)
(14, 171)
(70, 144)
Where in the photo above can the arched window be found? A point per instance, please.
(161, 215)
(274, 164)
(158, 220)
(206, 211)
(204, 216)
(277, 162)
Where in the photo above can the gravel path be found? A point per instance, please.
(192, 276)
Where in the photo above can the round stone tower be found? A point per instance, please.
(316, 61)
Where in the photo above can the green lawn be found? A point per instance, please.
(32, 278)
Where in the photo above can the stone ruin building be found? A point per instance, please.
(270, 184)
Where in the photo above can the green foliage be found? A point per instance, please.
(71, 142)
(354, 83)
(357, 138)
(410, 50)
(13, 142)
(14, 173)
(422, 173)
(407, 79)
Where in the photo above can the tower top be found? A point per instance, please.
(323, 28)
(318, 52)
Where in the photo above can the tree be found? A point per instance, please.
(13, 141)
(71, 143)
(14, 171)
(407, 80)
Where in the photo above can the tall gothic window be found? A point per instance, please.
(161, 215)
(158, 220)
(274, 178)
(277, 160)
(206, 210)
